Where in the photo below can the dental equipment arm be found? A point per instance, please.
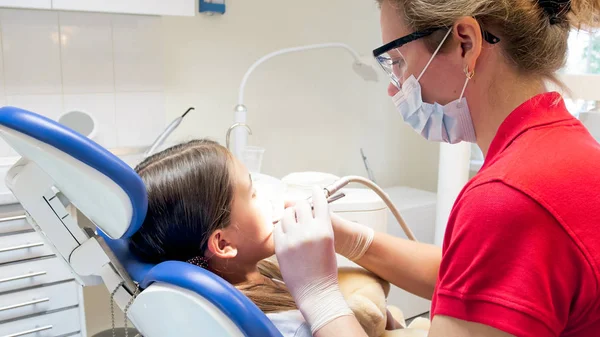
(163, 136)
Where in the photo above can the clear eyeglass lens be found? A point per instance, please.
(394, 64)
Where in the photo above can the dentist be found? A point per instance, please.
(521, 255)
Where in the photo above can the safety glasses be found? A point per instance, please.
(392, 61)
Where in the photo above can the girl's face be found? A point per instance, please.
(251, 218)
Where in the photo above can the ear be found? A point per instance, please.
(221, 246)
(468, 33)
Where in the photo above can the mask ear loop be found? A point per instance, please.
(434, 53)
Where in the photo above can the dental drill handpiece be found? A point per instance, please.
(329, 201)
(336, 186)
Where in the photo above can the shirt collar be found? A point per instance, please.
(542, 109)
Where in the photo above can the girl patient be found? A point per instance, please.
(203, 209)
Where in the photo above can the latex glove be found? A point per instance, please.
(306, 256)
(352, 240)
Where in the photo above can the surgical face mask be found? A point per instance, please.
(450, 123)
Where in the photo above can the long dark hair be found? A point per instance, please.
(190, 191)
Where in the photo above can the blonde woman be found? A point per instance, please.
(521, 255)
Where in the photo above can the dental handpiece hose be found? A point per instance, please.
(336, 186)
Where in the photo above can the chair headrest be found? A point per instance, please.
(136, 269)
(98, 183)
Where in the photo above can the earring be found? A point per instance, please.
(468, 73)
(199, 261)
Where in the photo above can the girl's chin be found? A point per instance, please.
(271, 244)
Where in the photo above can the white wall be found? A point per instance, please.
(110, 66)
(309, 110)
(135, 73)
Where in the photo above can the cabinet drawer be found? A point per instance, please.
(22, 246)
(32, 273)
(17, 223)
(38, 300)
(51, 325)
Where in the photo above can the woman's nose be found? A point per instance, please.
(392, 90)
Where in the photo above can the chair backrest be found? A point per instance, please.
(115, 197)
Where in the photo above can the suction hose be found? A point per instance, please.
(336, 186)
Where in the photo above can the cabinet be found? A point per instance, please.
(142, 7)
(38, 294)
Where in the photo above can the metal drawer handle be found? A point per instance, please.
(22, 277)
(15, 306)
(29, 245)
(13, 218)
(23, 333)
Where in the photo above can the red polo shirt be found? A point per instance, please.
(522, 248)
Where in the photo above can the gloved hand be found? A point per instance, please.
(352, 240)
(305, 252)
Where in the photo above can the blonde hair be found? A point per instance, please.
(533, 41)
(269, 297)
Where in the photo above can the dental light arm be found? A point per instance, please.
(338, 185)
(288, 51)
(364, 70)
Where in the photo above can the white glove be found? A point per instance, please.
(306, 256)
(352, 240)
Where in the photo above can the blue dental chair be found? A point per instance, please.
(85, 203)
